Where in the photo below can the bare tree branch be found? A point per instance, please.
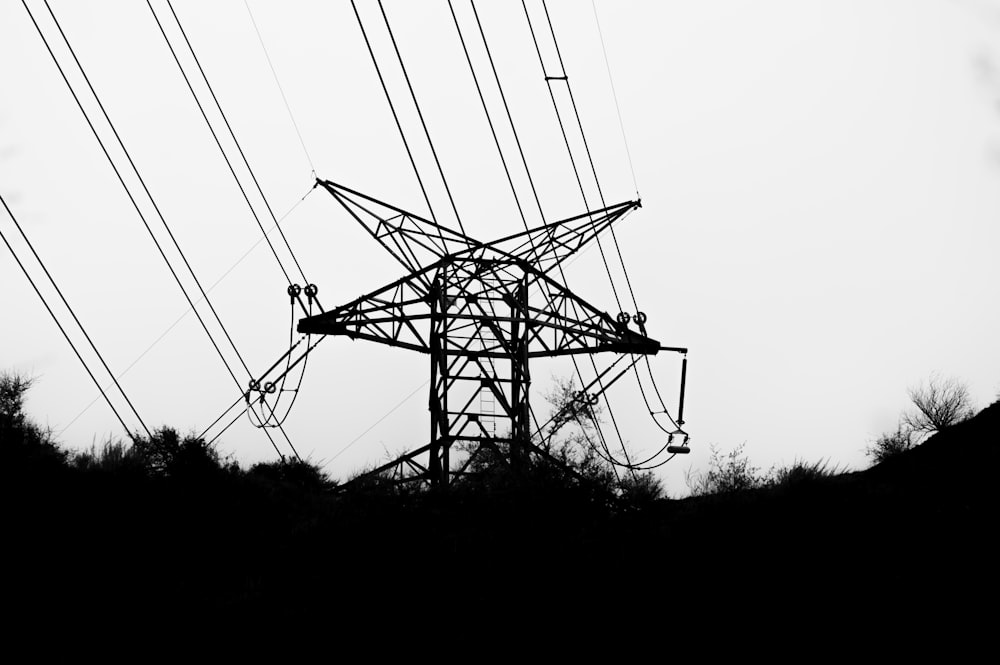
(939, 404)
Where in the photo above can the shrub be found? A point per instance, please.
(298, 473)
(891, 444)
(112, 456)
(22, 442)
(167, 454)
(800, 473)
(939, 404)
(728, 473)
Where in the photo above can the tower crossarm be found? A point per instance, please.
(546, 246)
(562, 323)
(410, 239)
(394, 315)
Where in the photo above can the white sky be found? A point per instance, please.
(820, 224)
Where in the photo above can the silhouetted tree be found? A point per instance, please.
(167, 454)
(938, 404)
(22, 442)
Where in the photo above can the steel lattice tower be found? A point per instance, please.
(481, 311)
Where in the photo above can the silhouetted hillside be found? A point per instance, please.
(241, 541)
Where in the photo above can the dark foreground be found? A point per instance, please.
(921, 525)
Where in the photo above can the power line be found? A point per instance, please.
(614, 94)
(614, 237)
(590, 158)
(569, 150)
(66, 335)
(215, 136)
(239, 147)
(184, 314)
(379, 421)
(73, 314)
(395, 116)
(586, 145)
(420, 115)
(149, 195)
(274, 73)
(531, 182)
(489, 120)
(128, 191)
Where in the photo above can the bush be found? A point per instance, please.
(167, 454)
(800, 473)
(727, 473)
(112, 456)
(891, 444)
(939, 404)
(23, 444)
(298, 473)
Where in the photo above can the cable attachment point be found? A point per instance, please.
(311, 291)
(254, 384)
(269, 387)
(640, 319)
(623, 319)
(293, 291)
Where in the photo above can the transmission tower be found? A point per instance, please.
(481, 311)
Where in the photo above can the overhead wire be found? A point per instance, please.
(55, 319)
(236, 141)
(614, 95)
(420, 114)
(187, 311)
(395, 116)
(277, 82)
(128, 190)
(379, 421)
(215, 136)
(590, 160)
(534, 190)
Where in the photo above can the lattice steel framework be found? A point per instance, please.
(481, 311)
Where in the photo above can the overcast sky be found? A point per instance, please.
(820, 225)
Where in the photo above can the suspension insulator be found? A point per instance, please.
(624, 318)
(640, 318)
(293, 290)
(269, 387)
(683, 448)
(311, 290)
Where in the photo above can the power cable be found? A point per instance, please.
(395, 116)
(66, 335)
(562, 274)
(586, 145)
(277, 82)
(614, 94)
(569, 149)
(215, 136)
(379, 421)
(185, 313)
(239, 147)
(128, 191)
(489, 119)
(423, 123)
(73, 314)
(149, 195)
